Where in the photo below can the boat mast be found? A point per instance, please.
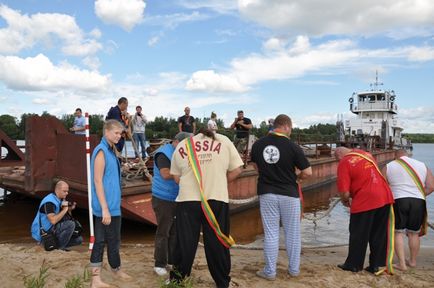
(376, 84)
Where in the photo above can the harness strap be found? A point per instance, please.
(390, 223)
(226, 241)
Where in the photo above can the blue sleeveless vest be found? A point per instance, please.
(161, 188)
(46, 224)
(111, 180)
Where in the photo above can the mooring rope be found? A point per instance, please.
(137, 170)
(325, 214)
(243, 201)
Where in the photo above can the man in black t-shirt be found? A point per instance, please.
(280, 163)
(242, 126)
(187, 123)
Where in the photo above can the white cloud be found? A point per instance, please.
(92, 63)
(96, 33)
(24, 32)
(341, 17)
(124, 13)
(208, 80)
(153, 41)
(39, 73)
(220, 6)
(40, 101)
(282, 60)
(171, 21)
(421, 54)
(418, 119)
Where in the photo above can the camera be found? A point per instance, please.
(67, 203)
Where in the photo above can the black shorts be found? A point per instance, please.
(409, 214)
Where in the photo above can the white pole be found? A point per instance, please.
(89, 189)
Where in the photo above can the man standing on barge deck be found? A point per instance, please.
(277, 159)
(363, 188)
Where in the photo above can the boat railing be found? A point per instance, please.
(315, 145)
(373, 106)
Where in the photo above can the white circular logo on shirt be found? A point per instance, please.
(271, 154)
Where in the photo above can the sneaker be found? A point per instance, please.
(160, 271)
(261, 274)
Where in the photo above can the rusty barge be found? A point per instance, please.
(52, 153)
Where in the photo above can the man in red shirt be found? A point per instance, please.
(363, 188)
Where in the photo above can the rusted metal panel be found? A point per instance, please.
(139, 207)
(14, 156)
(41, 152)
(71, 156)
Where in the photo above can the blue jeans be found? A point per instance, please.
(140, 139)
(63, 231)
(110, 234)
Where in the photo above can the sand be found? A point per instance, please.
(318, 268)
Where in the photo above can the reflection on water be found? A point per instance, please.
(246, 227)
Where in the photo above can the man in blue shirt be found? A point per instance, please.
(164, 192)
(79, 127)
(119, 113)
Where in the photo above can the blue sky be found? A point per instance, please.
(302, 58)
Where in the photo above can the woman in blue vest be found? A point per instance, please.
(164, 192)
(106, 203)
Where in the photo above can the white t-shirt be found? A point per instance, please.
(212, 125)
(216, 158)
(400, 181)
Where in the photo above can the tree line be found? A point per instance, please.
(164, 127)
(420, 137)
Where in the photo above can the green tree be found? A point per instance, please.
(22, 124)
(96, 124)
(67, 120)
(161, 127)
(9, 125)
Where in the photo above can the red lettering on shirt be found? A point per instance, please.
(182, 152)
(217, 148)
(205, 145)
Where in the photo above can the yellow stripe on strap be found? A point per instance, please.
(226, 241)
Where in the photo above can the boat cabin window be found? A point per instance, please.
(381, 97)
(371, 98)
(362, 98)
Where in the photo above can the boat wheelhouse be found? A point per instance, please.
(376, 124)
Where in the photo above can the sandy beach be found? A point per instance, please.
(318, 268)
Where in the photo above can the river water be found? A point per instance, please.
(16, 215)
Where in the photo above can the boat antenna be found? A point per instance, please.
(376, 84)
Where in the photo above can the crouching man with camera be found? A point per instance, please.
(54, 227)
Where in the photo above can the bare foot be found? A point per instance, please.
(98, 283)
(122, 275)
(410, 264)
(96, 279)
(399, 267)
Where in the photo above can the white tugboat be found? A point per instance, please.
(376, 125)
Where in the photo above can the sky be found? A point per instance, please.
(302, 58)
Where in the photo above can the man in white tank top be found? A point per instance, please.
(410, 206)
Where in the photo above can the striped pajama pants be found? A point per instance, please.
(274, 208)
